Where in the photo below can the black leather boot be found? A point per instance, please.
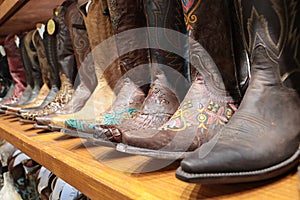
(261, 140)
(5, 77)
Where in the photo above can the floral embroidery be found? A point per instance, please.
(206, 117)
(113, 118)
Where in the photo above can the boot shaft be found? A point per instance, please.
(16, 67)
(51, 55)
(166, 16)
(24, 41)
(5, 77)
(126, 17)
(275, 26)
(65, 51)
(208, 22)
(38, 43)
(33, 57)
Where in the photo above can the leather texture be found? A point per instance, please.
(208, 105)
(16, 69)
(265, 130)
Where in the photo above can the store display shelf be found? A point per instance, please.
(102, 173)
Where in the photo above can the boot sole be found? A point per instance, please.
(41, 126)
(241, 177)
(166, 155)
(89, 137)
(26, 121)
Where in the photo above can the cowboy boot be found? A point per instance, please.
(86, 70)
(262, 139)
(207, 106)
(16, 69)
(5, 77)
(47, 57)
(168, 73)
(67, 65)
(38, 44)
(99, 28)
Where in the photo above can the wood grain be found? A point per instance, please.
(103, 173)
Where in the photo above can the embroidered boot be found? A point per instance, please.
(110, 67)
(261, 140)
(16, 69)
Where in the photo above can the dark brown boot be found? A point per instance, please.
(262, 139)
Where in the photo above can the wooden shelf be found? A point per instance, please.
(97, 171)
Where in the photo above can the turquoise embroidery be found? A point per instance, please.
(113, 118)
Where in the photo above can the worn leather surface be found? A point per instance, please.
(16, 69)
(126, 106)
(265, 130)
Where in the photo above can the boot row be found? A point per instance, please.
(215, 83)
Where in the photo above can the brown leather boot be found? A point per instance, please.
(262, 139)
(16, 69)
(104, 47)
